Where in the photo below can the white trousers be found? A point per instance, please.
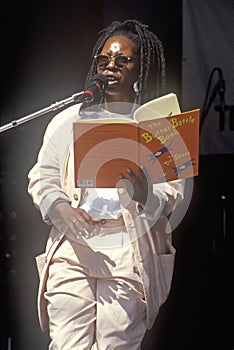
(95, 298)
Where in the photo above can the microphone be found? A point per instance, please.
(96, 86)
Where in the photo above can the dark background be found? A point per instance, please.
(45, 54)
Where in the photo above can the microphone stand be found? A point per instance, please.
(78, 97)
(222, 107)
(218, 88)
(206, 110)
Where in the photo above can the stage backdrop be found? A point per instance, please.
(208, 42)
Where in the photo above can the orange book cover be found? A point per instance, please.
(166, 146)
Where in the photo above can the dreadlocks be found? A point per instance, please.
(152, 76)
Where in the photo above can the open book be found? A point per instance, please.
(158, 137)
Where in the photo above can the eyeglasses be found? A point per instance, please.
(120, 61)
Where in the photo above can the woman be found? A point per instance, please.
(109, 261)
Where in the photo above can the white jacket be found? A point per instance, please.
(50, 180)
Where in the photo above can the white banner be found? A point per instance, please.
(208, 42)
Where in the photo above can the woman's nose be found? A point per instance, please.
(111, 63)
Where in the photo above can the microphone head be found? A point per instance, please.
(99, 79)
(96, 86)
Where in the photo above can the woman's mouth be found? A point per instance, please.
(112, 80)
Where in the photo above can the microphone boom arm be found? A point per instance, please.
(78, 97)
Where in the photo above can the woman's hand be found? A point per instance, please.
(138, 187)
(78, 221)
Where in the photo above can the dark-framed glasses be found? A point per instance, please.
(120, 61)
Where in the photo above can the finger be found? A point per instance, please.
(124, 180)
(127, 184)
(84, 228)
(143, 176)
(85, 217)
(79, 230)
(121, 176)
(131, 174)
(144, 173)
(136, 179)
(77, 225)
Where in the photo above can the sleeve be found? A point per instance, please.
(162, 200)
(45, 177)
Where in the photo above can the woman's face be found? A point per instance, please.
(120, 77)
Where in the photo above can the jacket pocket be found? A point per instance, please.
(165, 267)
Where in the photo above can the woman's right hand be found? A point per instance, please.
(78, 221)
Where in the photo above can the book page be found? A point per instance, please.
(160, 107)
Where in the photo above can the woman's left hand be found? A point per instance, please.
(138, 187)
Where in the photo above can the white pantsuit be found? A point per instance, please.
(113, 284)
(99, 300)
